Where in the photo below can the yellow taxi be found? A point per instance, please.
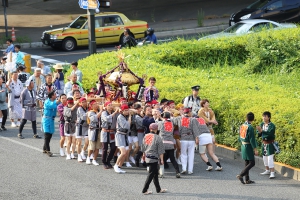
(109, 28)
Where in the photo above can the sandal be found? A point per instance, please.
(148, 192)
(163, 191)
(249, 182)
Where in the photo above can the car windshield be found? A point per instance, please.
(237, 28)
(258, 4)
(78, 23)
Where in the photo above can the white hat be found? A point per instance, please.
(37, 69)
(58, 66)
(27, 83)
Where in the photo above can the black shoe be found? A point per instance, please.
(20, 136)
(240, 178)
(37, 136)
(3, 128)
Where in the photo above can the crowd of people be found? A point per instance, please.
(146, 133)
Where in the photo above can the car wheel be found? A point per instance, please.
(69, 44)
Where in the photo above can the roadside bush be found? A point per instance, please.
(228, 77)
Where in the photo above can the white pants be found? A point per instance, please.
(187, 155)
(269, 161)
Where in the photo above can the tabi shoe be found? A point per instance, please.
(209, 168)
(249, 182)
(190, 173)
(178, 175)
(267, 172)
(218, 168)
(117, 169)
(49, 153)
(109, 166)
(68, 157)
(131, 159)
(240, 178)
(122, 171)
(183, 172)
(105, 166)
(272, 175)
(18, 123)
(88, 161)
(3, 128)
(148, 192)
(61, 151)
(94, 162)
(163, 191)
(79, 159)
(72, 156)
(82, 155)
(128, 164)
(37, 136)
(20, 136)
(13, 124)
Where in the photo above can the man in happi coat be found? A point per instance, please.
(28, 101)
(15, 88)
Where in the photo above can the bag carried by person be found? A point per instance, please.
(276, 147)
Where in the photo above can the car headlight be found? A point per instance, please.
(53, 37)
(246, 16)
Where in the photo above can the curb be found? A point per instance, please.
(159, 34)
(235, 154)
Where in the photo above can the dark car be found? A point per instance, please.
(275, 10)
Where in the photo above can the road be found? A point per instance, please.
(52, 56)
(26, 173)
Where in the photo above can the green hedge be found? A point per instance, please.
(255, 72)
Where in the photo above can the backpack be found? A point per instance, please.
(189, 98)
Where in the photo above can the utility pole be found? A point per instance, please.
(92, 38)
(5, 19)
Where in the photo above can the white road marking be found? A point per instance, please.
(48, 60)
(20, 143)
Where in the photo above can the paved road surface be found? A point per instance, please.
(26, 173)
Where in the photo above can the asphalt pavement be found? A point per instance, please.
(26, 173)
